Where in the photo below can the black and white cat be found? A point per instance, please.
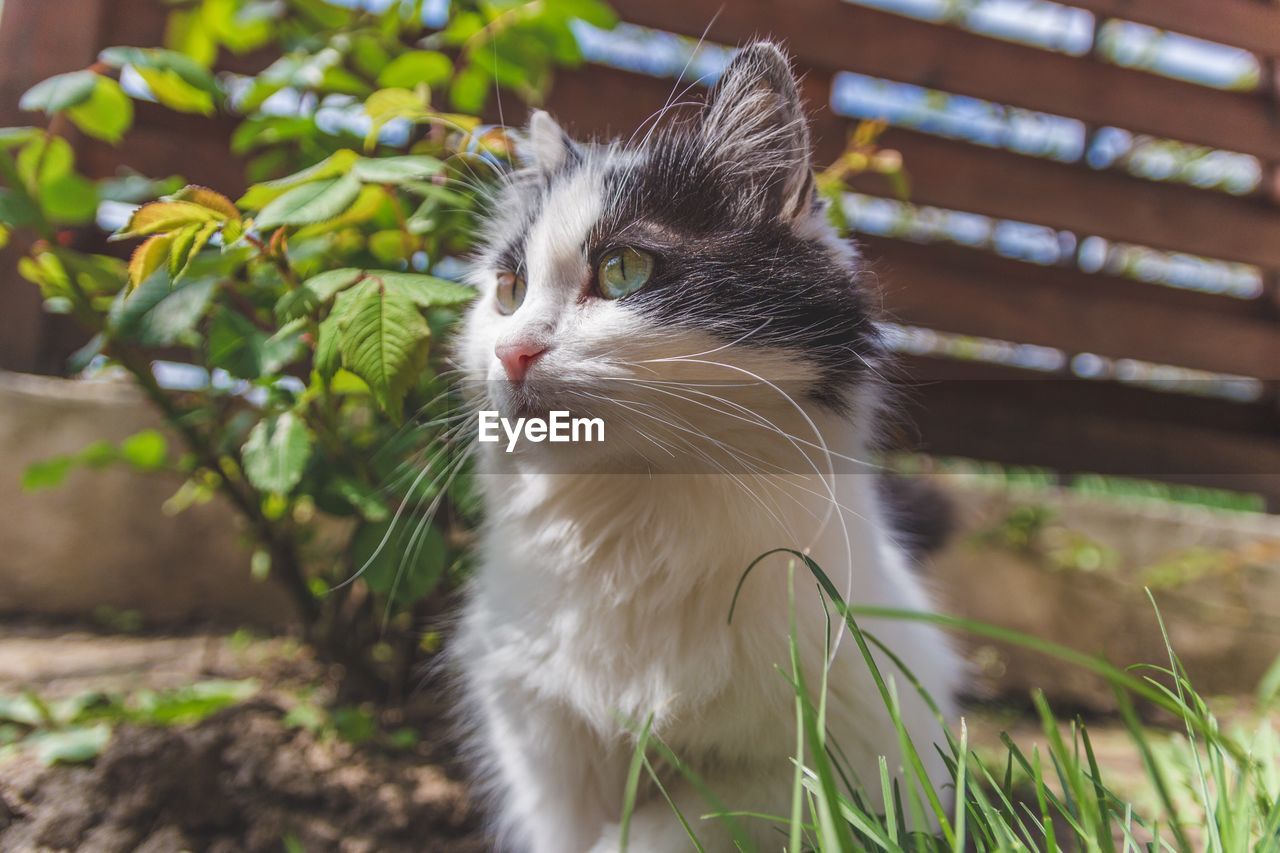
(688, 290)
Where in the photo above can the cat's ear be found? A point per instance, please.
(545, 146)
(754, 122)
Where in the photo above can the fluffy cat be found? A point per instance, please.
(688, 289)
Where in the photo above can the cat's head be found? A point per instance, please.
(637, 282)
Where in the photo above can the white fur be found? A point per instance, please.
(603, 590)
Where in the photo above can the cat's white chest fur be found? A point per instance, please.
(602, 603)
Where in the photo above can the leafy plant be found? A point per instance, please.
(76, 729)
(314, 309)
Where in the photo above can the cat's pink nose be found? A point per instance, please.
(518, 357)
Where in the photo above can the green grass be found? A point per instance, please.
(1208, 789)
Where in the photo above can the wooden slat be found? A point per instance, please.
(1250, 24)
(1074, 197)
(948, 290)
(1052, 395)
(835, 35)
(995, 421)
(973, 178)
(34, 45)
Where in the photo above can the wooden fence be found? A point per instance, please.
(959, 408)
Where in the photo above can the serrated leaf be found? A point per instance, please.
(393, 170)
(148, 257)
(172, 90)
(426, 291)
(384, 341)
(164, 216)
(207, 198)
(276, 453)
(416, 67)
(59, 92)
(107, 113)
(334, 166)
(160, 311)
(328, 358)
(314, 292)
(368, 204)
(311, 203)
(407, 567)
(193, 239)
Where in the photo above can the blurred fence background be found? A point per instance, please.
(1081, 257)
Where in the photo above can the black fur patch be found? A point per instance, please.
(739, 275)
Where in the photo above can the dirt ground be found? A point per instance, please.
(255, 776)
(247, 778)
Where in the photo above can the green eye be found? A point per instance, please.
(623, 272)
(510, 292)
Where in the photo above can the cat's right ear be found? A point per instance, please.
(545, 146)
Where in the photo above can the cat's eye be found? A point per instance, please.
(623, 272)
(510, 292)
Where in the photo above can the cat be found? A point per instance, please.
(687, 288)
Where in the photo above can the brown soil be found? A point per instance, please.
(240, 780)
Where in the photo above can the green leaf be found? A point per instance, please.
(276, 454)
(335, 165)
(147, 450)
(415, 67)
(184, 251)
(164, 216)
(407, 566)
(70, 746)
(172, 90)
(393, 170)
(107, 114)
(69, 199)
(43, 160)
(386, 105)
(235, 344)
(245, 351)
(593, 12)
(59, 93)
(391, 245)
(156, 59)
(364, 499)
(328, 357)
(311, 203)
(12, 137)
(368, 55)
(148, 257)
(314, 292)
(47, 473)
(207, 198)
(426, 291)
(160, 311)
(192, 703)
(470, 89)
(384, 341)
